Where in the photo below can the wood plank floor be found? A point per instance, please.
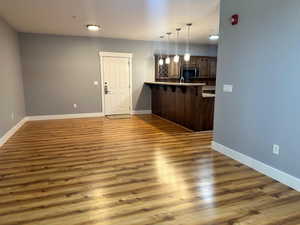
(137, 171)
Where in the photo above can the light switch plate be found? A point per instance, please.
(276, 149)
(227, 88)
(96, 83)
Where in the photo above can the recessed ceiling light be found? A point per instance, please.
(214, 37)
(93, 27)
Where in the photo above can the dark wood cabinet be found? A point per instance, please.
(212, 66)
(203, 65)
(174, 69)
(207, 67)
(184, 105)
(193, 61)
(170, 71)
(156, 100)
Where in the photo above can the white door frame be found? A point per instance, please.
(120, 55)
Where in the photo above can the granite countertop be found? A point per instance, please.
(208, 95)
(176, 84)
(205, 87)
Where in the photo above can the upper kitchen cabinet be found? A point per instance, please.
(174, 68)
(193, 61)
(203, 65)
(212, 65)
(167, 71)
(206, 67)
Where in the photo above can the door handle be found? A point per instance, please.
(106, 91)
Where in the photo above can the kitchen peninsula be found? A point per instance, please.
(188, 104)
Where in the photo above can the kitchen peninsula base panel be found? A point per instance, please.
(184, 105)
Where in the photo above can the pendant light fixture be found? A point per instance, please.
(168, 60)
(176, 57)
(187, 55)
(160, 61)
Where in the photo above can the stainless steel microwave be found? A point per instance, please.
(189, 72)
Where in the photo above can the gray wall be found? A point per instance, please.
(11, 84)
(260, 57)
(60, 70)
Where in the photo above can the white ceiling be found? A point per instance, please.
(127, 19)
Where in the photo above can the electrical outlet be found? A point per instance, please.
(276, 149)
(75, 106)
(12, 116)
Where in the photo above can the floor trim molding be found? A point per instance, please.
(12, 131)
(65, 116)
(261, 167)
(140, 112)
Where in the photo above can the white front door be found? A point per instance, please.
(116, 80)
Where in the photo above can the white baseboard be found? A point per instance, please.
(140, 112)
(81, 115)
(65, 116)
(263, 168)
(12, 131)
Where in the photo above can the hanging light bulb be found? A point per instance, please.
(160, 61)
(168, 59)
(176, 57)
(187, 55)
